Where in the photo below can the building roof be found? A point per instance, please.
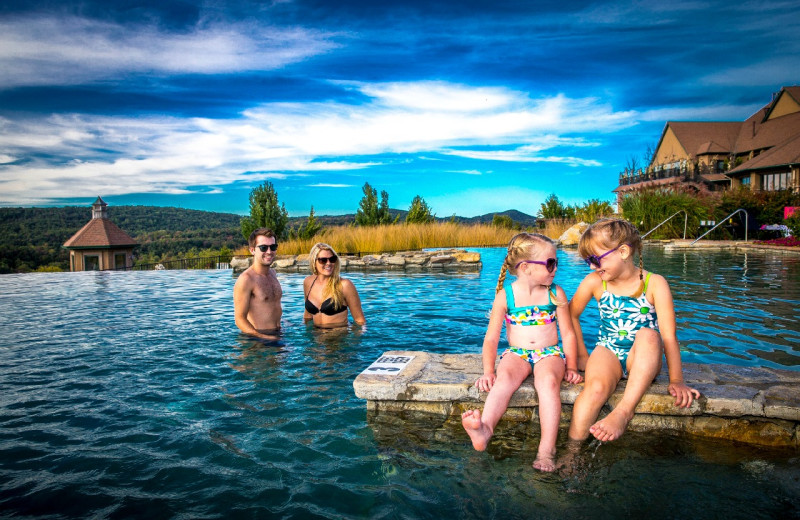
(99, 233)
(785, 153)
(699, 138)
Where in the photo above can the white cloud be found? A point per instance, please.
(522, 156)
(49, 50)
(781, 71)
(170, 155)
(708, 113)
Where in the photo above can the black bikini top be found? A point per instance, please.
(327, 306)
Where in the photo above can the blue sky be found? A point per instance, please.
(476, 106)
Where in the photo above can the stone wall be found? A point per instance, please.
(414, 261)
(753, 405)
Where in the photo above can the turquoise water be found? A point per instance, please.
(132, 395)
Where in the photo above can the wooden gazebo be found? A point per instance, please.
(100, 244)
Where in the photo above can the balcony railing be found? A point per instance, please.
(209, 262)
(679, 174)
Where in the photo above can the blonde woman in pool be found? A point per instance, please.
(534, 310)
(329, 296)
(637, 327)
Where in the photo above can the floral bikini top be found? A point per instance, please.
(531, 314)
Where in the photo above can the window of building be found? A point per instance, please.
(775, 181)
(746, 181)
(91, 263)
(119, 261)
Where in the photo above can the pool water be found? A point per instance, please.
(132, 395)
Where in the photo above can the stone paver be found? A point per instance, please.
(745, 404)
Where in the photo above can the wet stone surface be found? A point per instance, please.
(744, 404)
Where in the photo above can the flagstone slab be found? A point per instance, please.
(745, 404)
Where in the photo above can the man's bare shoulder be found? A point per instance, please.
(246, 279)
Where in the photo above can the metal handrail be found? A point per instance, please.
(723, 221)
(685, 221)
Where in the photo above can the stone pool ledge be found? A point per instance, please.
(456, 260)
(722, 245)
(759, 406)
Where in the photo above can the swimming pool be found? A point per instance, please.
(131, 394)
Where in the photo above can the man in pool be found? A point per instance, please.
(257, 292)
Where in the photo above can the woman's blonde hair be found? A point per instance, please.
(611, 233)
(523, 246)
(333, 287)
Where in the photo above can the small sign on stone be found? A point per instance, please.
(388, 365)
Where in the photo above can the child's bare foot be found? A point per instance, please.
(568, 462)
(478, 432)
(545, 462)
(612, 426)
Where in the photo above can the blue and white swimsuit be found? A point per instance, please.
(621, 317)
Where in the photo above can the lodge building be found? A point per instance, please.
(760, 153)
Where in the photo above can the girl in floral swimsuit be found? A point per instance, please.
(637, 327)
(534, 310)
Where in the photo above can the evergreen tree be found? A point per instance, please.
(265, 212)
(553, 208)
(369, 212)
(311, 227)
(419, 212)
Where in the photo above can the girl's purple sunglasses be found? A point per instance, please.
(550, 264)
(595, 260)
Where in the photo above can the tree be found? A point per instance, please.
(370, 213)
(419, 212)
(553, 208)
(594, 209)
(265, 212)
(502, 221)
(311, 227)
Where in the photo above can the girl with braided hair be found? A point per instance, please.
(637, 327)
(534, 310)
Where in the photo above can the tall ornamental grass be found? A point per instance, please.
(391, 238)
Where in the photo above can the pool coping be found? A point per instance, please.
(753, 405)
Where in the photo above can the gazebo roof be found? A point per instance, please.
(99, 233)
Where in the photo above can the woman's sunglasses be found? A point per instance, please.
(325, 259)
(550, 264)
(263, 247)
(594, 260)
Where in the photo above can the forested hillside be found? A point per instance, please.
(31, 238)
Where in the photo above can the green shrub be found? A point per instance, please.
(793, 223)
(648, 209)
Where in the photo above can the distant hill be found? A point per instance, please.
(523, 219)
(32, 237)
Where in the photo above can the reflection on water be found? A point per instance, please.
(134, 395)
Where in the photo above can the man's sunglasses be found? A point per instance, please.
(595, 260)
(550, 264)
(325, 259)
(263, 247)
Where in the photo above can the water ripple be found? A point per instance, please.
(133, 395)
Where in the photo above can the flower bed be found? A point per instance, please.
(785, 242)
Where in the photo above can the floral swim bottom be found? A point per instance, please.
(532, 355)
